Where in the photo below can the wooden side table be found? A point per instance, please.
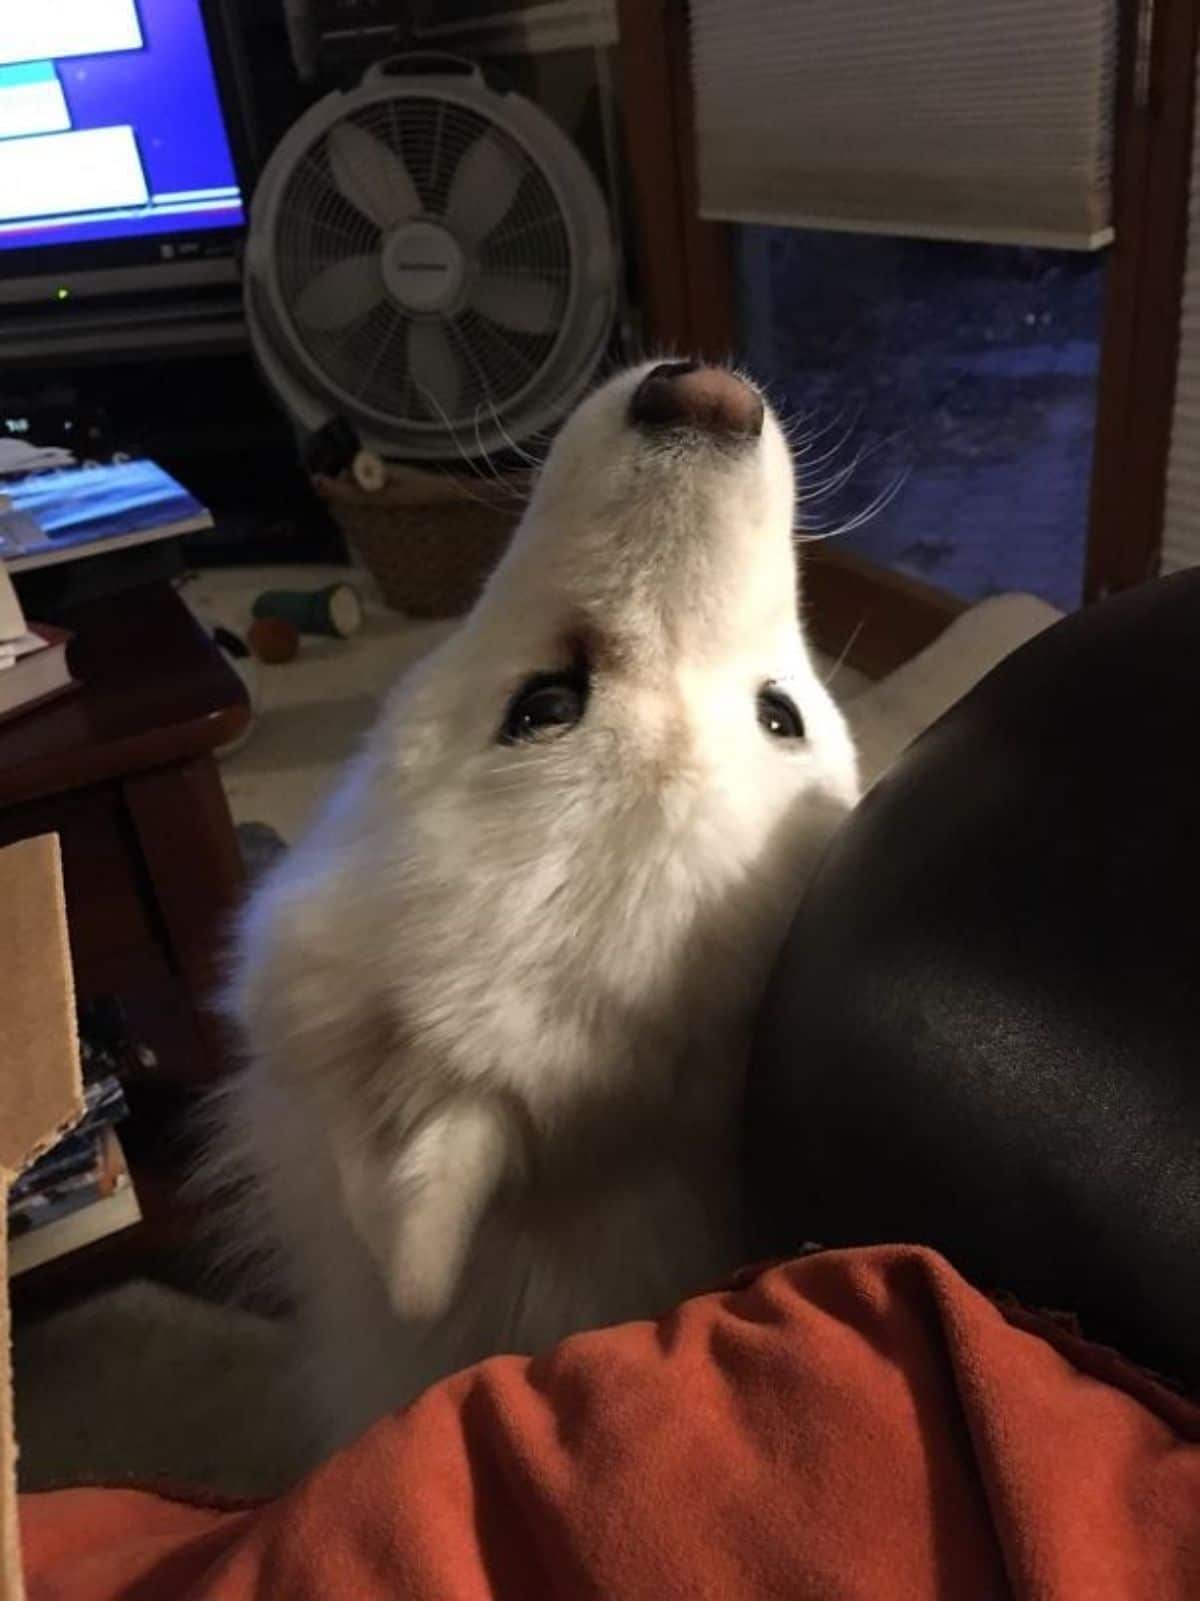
(123, 771)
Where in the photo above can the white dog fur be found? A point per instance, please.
(496, 1003)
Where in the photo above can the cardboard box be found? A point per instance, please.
(41, 1092)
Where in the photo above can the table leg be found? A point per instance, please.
(194, 867)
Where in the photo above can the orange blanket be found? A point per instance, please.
(854, 1424)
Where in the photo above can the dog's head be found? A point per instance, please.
(651, 594)
(581, 822)
(640, 643)
(627, 734)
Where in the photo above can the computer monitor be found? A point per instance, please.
(117, 148)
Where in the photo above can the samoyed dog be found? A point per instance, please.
(496, 1004)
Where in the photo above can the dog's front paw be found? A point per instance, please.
(416, 1209)
(422, 1277)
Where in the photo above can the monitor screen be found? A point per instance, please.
(111, 127)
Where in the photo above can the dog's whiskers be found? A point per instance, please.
(486, 463)
(860, 518)
(472, 464)
(845, 651)
(530, 461)
(801, 440)
(825, 488)
(806, 461)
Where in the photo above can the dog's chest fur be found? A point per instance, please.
(616, 1046)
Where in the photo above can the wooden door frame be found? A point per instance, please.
(1140, 343)
(685, 269)
(879, 617)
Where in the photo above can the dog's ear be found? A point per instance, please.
(416, 1202)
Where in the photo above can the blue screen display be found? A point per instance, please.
(110, 124)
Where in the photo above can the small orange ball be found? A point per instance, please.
(273, 639)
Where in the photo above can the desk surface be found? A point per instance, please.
(156, 691)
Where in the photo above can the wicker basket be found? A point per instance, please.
(429, 540)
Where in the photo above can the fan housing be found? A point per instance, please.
(431, 258)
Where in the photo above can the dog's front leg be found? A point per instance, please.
(416, 1206)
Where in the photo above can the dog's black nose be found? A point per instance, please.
(683, 394)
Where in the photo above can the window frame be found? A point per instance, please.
(876, 616)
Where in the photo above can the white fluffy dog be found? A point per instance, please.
(497, 1001)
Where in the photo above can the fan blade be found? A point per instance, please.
(519, 301)
(371, 177)
(435, 368)
(342, 294)
(484, 187)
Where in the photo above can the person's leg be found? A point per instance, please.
(983, 1033)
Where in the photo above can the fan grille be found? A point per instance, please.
(368, 359)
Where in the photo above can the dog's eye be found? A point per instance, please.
(545, 706)
(777, 714)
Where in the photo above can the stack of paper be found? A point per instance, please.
(33, 656)
(18, 456)
(11, 650)
(13, 631)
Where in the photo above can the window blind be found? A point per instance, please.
(1181, 531)
(965, 119)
